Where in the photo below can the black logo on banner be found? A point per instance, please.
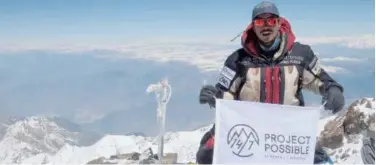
(241, 138)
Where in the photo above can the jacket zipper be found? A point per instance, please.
(271, 65)
(272, 83)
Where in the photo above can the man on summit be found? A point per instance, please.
(270, 67)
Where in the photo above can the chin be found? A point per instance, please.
(267, 40)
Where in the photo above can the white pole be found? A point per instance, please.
(161, 121)
(163, 94)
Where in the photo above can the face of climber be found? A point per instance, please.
(266, 27)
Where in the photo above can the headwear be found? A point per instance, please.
(249, 38)
(265, 7)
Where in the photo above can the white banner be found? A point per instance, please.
(259, 133)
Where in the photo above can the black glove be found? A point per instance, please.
(335, 99)
(208, 94)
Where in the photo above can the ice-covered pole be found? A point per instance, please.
(162, 92)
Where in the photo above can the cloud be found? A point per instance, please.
(343, 59)
(334, 69)
(356, 42)
(206, 57)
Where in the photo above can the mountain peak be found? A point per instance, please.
(342, 134)
(33, 135)
(365, 102)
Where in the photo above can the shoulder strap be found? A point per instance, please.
(242, 73)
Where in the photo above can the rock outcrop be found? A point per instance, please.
(349, 128)
(332, 136)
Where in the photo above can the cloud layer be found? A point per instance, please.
(358, 42)
(208, 55)
(344, 59)
(106, 84)
(334, 69)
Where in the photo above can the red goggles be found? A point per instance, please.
(264, 22)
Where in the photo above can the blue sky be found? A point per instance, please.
(103, 21)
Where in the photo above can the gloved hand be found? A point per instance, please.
(335, 99)
(207, 95)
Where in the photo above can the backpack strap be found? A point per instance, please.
(242, 73)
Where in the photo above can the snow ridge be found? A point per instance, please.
(32, 136)
(184, 143)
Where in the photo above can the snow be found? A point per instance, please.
(352, 149)
(322, 123)
(37, 159)
(107, 146)
(363, 107)
(184, 143)
(352, 144)
(10, 149)
(25, 139)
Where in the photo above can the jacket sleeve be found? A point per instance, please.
(315, 78)
(229, 78)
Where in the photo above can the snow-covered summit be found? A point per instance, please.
(5, 123)
(183, 143)
(33, 135)
(342, 134)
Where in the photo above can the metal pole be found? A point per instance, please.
(163, 94)
(161, 122)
